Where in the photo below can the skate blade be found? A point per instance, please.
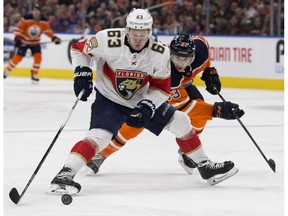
(215, 180)
(186, 168)
(35, 82)
(87, 171)
(56, 189)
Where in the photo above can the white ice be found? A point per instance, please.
(143, 178)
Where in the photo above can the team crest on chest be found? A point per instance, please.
(34, 30)
(128, 83)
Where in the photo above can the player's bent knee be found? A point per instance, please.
(84, 149)
(99, 138)
(179, 125)
(37, 58)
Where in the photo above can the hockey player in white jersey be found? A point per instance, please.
(132, 86)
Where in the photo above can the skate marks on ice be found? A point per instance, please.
(144, 178)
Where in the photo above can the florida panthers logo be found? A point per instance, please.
(34, 30)
(128, 83)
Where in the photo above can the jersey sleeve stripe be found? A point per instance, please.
(161, 84)
(79, 46)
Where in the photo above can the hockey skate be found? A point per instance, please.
(63, 183)
(186, 162)
(6, 73)
(93, 166)
(35, 78)
(215, 173)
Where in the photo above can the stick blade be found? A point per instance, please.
(14, 195)
(272, 165)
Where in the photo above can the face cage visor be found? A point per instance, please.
(181, 61)
(138, 34)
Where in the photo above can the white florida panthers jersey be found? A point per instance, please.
(122, 76)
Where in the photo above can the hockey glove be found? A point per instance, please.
(56, 40)
(83, 80)
(193, 92)
(211, 79)
(17, 42)
(141, 114)
(227, 110)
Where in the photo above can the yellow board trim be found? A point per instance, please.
(43, 73)
(231, 82)
(255, 83)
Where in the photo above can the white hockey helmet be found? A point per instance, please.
(139, 19)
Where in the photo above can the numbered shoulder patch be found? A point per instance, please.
(175, 94)
(158, 46)
(114, 38)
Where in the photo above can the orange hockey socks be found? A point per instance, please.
(124, 135)
(13, 62)
(37, 61)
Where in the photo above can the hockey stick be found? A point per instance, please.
(16, 50)
(85, 32)
(13, 194)
(270, 162)
(47, 42)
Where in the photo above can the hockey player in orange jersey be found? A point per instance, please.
(27, 36)
(189, 56)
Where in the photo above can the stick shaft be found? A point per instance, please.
(47, 42)
(51, 145)
(248, 133)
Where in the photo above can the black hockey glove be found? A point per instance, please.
(83, 80)
(141, 114)
(227, 110)
(211, 79)
(17, 42)
(56, 40)
(193, 92)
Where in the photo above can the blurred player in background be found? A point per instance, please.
(27, 36)
(189, 56)
(132, 86)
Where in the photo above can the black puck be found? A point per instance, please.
(66, 199)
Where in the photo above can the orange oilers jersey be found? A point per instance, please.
(179, 96)
(30, 30)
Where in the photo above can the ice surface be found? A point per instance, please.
(143, 178)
